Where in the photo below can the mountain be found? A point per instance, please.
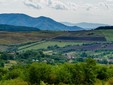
(43, 23)
(89, 26)
(85, 25)
(68, 23)
(17, 28)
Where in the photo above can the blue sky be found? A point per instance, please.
(75, 11)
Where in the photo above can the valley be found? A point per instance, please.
(56, 42)
(59, 42)
(19, 49)
(57, 50)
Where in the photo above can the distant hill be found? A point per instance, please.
(17, 28)
(43, 23)
(85, 25)
(105, 28)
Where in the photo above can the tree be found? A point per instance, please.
(77, 72)
(39, 72)
(63, 74)
(103, 73)
(90, 72)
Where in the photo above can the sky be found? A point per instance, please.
(74, 11)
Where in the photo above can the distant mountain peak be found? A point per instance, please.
(85, 25)
(14, 14)
(44, 18)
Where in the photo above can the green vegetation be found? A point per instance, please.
(87, 73)
(108, 34)
(36, 68)
(17, 28)
(46, 44)
(9, 38)
(36, 58)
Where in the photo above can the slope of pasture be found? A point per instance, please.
(44, 45)
(24, 37)
(108, 34)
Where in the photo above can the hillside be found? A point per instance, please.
(85, 25)
(17, 28)
(43, 23)
(89, 26)
(24, 37)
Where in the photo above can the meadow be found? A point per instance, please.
(9, 38)
(46, 44)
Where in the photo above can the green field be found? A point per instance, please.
(45, 44)
(108, 34)
(24, 37)
(43, 39)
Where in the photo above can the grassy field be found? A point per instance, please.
(45, 44)
(108, 34)
(15, 38)
(24, 37)
(10, 63)
(8, 38)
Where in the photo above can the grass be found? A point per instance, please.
(23, 37)
(13, 82)
(21, 82)
(45, 44)
(48, 52)
(9, 64)
(108, 82)
(108, 34)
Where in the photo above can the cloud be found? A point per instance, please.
(55, 4)
(32, 4)
(58, 5)
(109, 0)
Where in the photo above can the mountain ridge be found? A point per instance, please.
(42, 22)
(86, 25)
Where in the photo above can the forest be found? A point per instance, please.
(83, 73)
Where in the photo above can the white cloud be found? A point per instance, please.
(55, 4)
(109, 0)
(58, 5)
(32, 4)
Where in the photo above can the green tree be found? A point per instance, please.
(39, 72)
(103, 73)
(90, 71)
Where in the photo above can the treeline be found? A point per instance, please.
(17, 28)
(28, 57)
(105, 28)
(86, 73)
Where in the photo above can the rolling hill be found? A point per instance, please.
(16, 28)
(43, 23)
